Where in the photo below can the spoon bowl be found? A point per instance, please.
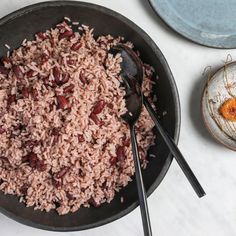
(134, 103)
(132, 66)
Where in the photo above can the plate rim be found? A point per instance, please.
(184, 35)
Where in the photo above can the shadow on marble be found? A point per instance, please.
(195, 106)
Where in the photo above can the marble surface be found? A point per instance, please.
(174, 207)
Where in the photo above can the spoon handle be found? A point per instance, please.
(139, 180)
(175, 151)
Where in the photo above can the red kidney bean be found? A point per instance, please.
(76, 46)
(94, 203)
(110, 40)
(72, 36)
(60, 79)
(65, 78)
(26, 49)
(81, 138)
(142, 157)
(17, 126)
(104, 146)
(81, 173)
(62, 172)
(5, 159)
(52, 84)
(51, 105)
(30, 144)
(24, 189)
(57, 75)
(3, 70)
(40, 165)
(62, 102)
(30, 73)
(69, 196)
(82, 189)
(25, 92)
(55, 139)
(120, 153)
(25, 158)
(110, 105)
(69, 89)
(2, 113)
(52, 42)
(2, 130)
(42, 35)
(98, 107)
(34, 93)
(44, 58)
(17, 71)
(126, 141)
(11, 99)
(56, 183)
(6, 60)
(55, 131)
(66, 34)
(82, 78)
(70, 62)
(46, 81)
(47, 84)
(95, 118)
(33, 158)
(113, 160)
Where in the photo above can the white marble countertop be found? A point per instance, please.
(174, 207)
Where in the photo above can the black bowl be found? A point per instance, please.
(24, 23)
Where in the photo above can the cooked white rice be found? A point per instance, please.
(63, 143)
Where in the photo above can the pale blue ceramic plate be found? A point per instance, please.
(208, 22)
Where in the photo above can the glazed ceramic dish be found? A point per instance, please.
(219, 88)
(210, 23)
(24, 23)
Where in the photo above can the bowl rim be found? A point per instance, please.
(174, 90)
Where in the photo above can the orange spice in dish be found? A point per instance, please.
(228, 109)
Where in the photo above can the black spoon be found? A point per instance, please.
(134, 103)
(132, 67)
